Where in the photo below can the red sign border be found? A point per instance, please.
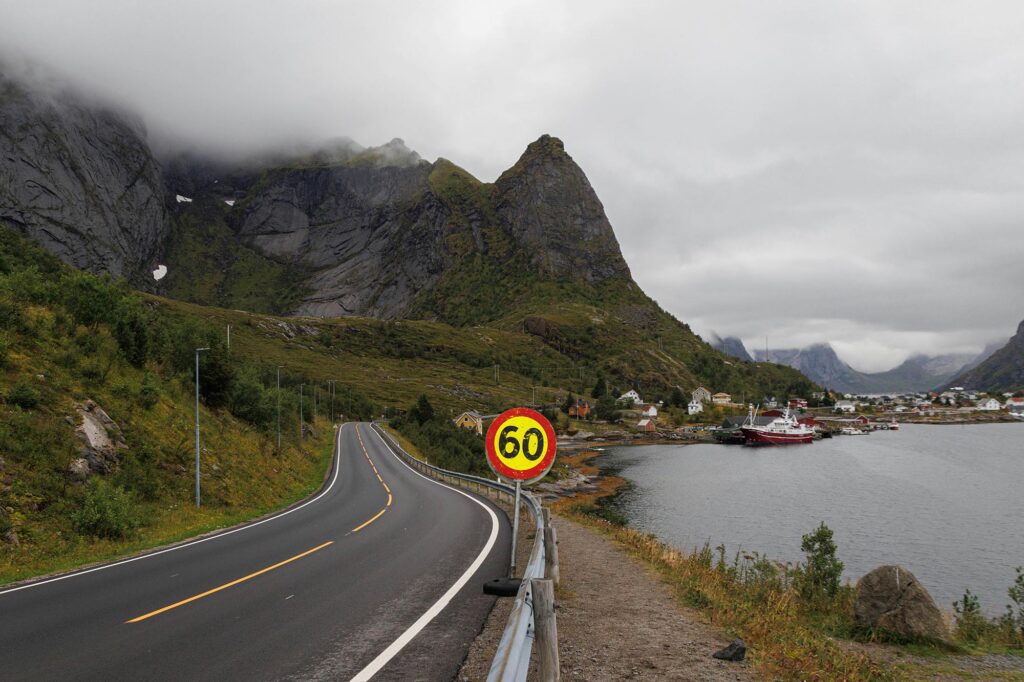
(531, 475)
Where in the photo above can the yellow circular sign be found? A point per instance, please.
(521, 444)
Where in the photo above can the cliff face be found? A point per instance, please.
(80, 180)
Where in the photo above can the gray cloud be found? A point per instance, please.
(848, 172)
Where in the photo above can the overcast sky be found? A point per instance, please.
(806, 171)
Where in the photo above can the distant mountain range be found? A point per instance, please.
(820, 363)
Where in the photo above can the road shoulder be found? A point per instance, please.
(616, 620)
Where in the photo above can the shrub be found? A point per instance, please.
(107, 511)
(138, 473)
(24, 396)
(971, 625)
(3, 351)
(1012, 621)
(819, 579)
(149, 393)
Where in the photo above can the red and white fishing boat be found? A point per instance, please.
(784, 430)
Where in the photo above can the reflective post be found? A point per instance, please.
(515, 530)
(198, 351)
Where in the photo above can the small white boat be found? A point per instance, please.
(850, 431)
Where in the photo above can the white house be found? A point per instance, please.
(845, 406)
(650, 411)
(991, 404)
(695, 407)
(701, 395)
(721, 399)
(630, 396)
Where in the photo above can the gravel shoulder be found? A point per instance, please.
(616, 621)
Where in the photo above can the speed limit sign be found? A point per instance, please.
(521, 445)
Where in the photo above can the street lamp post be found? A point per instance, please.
(198, 351)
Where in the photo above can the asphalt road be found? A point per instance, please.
(379, 576)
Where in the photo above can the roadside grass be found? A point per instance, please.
(784, 641)
(242, 489)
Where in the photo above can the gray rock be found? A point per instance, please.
(11, 538)
(79, 178)
(890, 598)
(79, 469)
(736, 651)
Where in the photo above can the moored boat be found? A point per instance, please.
(784, 430)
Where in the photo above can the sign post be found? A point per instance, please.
(520, 447)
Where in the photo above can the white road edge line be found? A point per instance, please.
(385, 656)
(66, 576)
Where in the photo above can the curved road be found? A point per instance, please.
(379, 576)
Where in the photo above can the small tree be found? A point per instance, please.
(819, 579)
(600, 388)
(569, 402)
(677, 399)
(423, 411)
(970, 623)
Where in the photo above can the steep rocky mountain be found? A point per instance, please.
(730, 345)
(917, 373)
(347, 231)
(380, 232)
(1002, 371)
(80, 179)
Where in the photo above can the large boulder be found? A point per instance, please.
(890, 598)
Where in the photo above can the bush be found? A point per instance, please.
(3, 351)
(149, 393)
(819, 579)
(971, 625)
(24, 396)
(107, 511)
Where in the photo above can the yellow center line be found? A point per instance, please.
(386, 488)
(230, 584)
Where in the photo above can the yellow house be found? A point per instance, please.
(471, 420)
(721, 399)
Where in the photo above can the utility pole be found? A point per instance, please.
(229, 338)
(198, 351)
(279, 409)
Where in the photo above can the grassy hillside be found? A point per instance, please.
(66, 338)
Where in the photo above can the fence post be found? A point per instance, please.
(546, 629)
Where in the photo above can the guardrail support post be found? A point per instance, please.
(546, 629)
(551, 555)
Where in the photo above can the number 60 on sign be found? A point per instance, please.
(521, 445)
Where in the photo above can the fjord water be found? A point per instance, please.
(947, 502)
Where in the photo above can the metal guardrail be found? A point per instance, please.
(512, 658)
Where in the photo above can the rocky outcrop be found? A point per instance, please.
(890, 598)
(101, 442)
(80, 179)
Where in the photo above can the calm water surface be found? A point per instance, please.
(947, 502)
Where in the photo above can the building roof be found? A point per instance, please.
(643, 422)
